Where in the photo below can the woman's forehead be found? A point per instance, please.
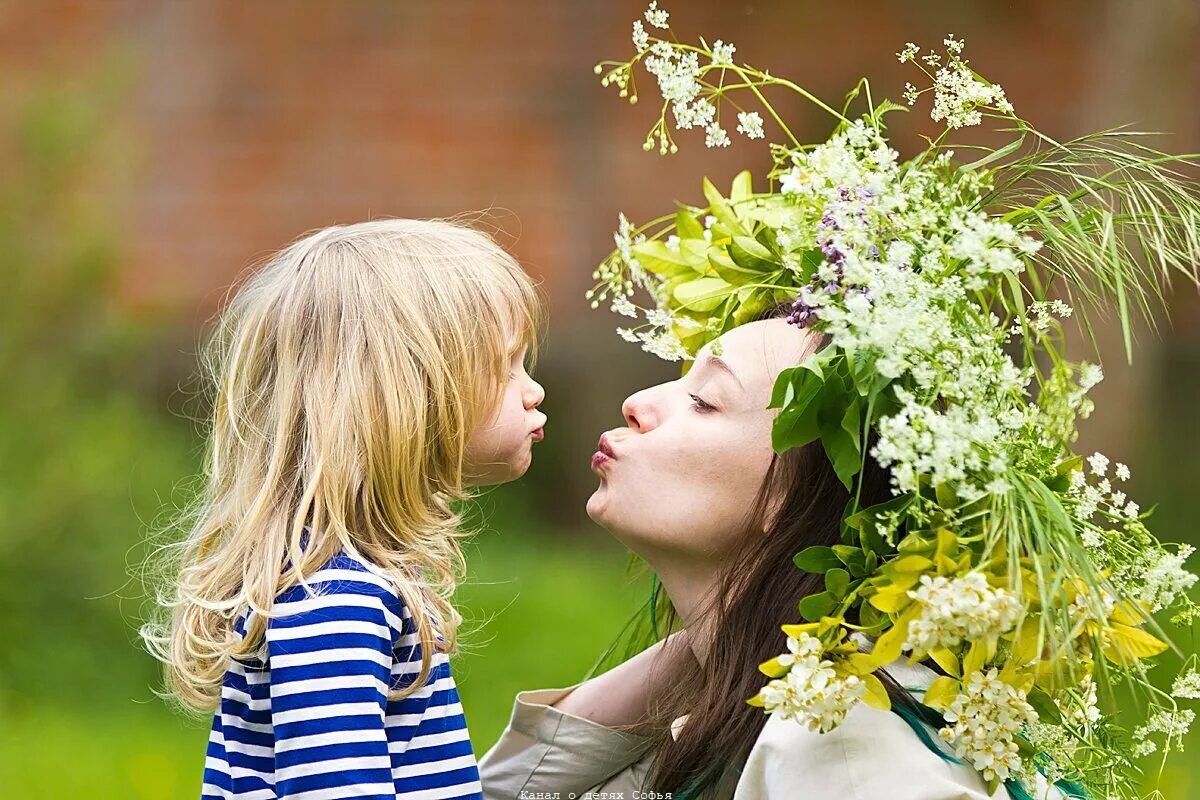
(759, 351)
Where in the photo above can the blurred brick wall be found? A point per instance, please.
(248, 123)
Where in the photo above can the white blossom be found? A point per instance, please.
(954, 610)
(722, 53)
(622, 306)
(984, 718)
(812, 692)
(641, 39)
(750, 124)
(656, 16)
(715, 136)
(1187, 685)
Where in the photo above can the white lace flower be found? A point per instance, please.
(1187, 685)
(954, 610)
(1172, 725)
(1122, 472)
(621, 305)
(1165, 578)
(750, 124)
(641, 39)
(656, 16)
(1098, 463)
(715, 136)
(722, 53)
(984, 718)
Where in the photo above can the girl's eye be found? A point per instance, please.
(699, 404)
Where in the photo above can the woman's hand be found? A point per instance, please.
(620, 697)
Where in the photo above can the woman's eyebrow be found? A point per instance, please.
(720, 364)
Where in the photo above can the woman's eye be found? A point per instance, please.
(699, 404)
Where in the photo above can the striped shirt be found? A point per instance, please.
(310, 719)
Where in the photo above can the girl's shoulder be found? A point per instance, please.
(347, 575)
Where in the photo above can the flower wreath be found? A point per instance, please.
(1030, 581)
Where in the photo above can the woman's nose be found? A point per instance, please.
(638, 414)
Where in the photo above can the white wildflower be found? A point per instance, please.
(715, 136)
(908, 53)
(812, 693)
(1122, 472)
(1172, 725)
(1187, 685)
(958, 95)
(1166, 579)
(622, 306)
(656, 16)
(663, 344)
(1089, 375)
(750, 124)
(954, 610)
(722, 53)
(641, 39)
(627, 334)
(1098, 463)
(1080, 707)
(984, 718)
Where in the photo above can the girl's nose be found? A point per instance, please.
(534, 395)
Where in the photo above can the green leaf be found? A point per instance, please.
(818, 605)
(743, 186)
(728, 269)
(687, 226)
(752, 302)
(941, 693)
(702, 294)
(1047, 710)
(816, 559)
(656, 257)
(876, 695)
(837, 580)
(796, 425)
(748, 254)
(721, 209)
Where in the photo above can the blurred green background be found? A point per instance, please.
(150, 152)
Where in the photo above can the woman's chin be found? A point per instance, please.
(597, 504)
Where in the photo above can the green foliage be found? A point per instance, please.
(85, 452)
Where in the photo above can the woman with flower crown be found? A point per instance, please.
(691, 485)
(860, 500)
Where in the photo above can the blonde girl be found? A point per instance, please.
(364, 379)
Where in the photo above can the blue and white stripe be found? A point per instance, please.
(311, 719)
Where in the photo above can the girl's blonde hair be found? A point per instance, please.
(349, 372)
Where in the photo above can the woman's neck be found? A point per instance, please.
(690, 588)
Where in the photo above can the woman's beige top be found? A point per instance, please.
(873, 754)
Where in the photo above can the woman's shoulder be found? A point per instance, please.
(872, 753)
